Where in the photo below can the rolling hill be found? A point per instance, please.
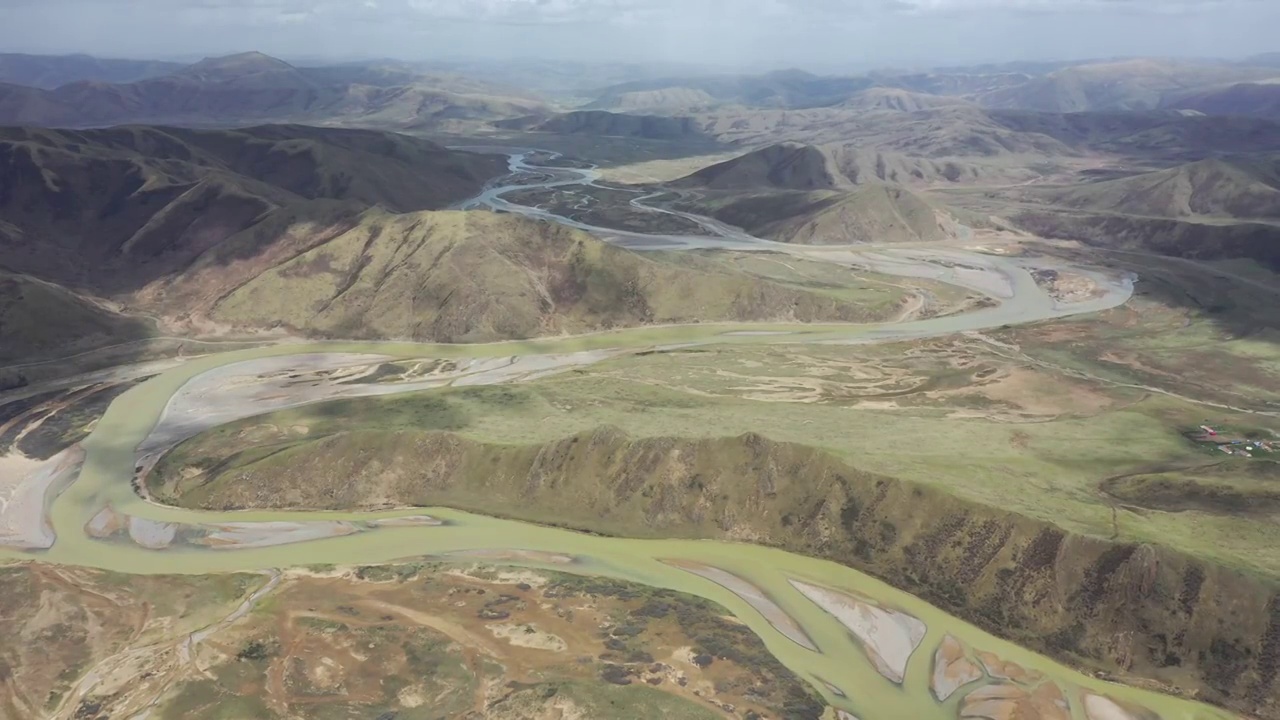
(252, 87)
(801, 193)
(323, 232)
(608, 124)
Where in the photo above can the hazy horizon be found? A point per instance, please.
(818, 35)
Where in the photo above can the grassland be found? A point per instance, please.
(956, 415)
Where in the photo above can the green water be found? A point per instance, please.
(105, 479)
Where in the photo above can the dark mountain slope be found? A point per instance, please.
(150, 199)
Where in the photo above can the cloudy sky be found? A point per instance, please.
(818, 34)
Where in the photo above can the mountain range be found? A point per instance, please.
(254, 88)
(1110, 85)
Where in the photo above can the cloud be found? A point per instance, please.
(780, 33)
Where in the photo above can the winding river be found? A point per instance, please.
(869, 649)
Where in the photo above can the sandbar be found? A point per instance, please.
(889, 637)
(753, 596)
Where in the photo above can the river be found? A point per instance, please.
(787, 587)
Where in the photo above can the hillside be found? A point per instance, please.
(608, 124)
(1058, 592)
(871, 213)
(1206, 210)
(252, 87)
(41, 320)
(1235, 189)
(801, 193)
(50, 71)
(899, 100)
(145, 201)
(785, 166)
(1256, 99)
(471, 277)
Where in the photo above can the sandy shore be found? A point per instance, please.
(1097, 707)
(252, 387)
(754, 596)
(888, 636)
(236, 536)
(27, 490)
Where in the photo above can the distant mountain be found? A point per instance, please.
(1263, 60)
(957, 84)
(782, 89)
(252, 87)
(50, 71)
(1229, 189)
(899, 100)
(1257, 99)
(1139, 84)
(1209, 209)
(607, 124)
(234, 67)
(667, 99)
(1168, 136)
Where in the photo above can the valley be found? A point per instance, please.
(945, 395)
